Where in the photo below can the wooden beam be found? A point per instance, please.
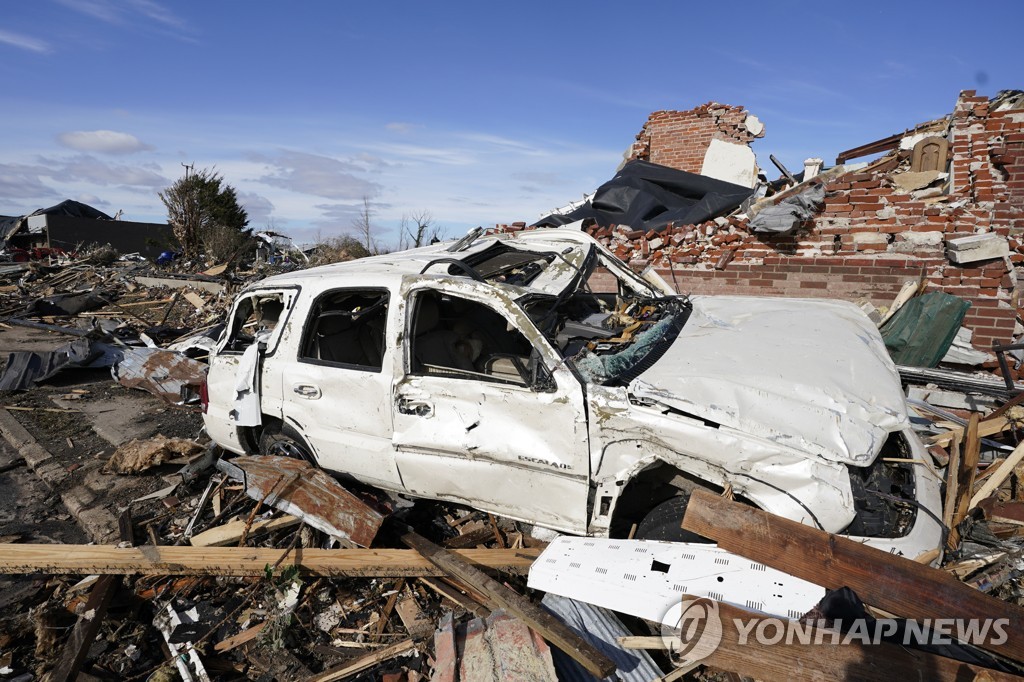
(829, 659)
(1001, 473)
(346, 670)
(541, 621)
(900, 586)
(242, 561)
(74, 651)
(965, 479)
(230, 532)
(985, 429)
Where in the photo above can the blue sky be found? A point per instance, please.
(476, 112)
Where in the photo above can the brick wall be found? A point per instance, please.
(869, 237)
(680, 139)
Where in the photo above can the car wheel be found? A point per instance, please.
(664, 522)
(281, 441)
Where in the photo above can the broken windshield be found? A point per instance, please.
(607, 326)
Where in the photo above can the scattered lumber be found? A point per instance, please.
(997, 477)
(895, 584)
(500, 596)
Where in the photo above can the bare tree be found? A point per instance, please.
(418, 229)
(363, 226)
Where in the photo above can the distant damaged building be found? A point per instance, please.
(72, 225)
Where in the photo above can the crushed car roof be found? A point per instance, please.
(387, 267)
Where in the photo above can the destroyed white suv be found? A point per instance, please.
(535, 376)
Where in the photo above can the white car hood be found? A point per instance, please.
(812, 375)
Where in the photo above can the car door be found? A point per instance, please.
(337, 385)
(485, 417)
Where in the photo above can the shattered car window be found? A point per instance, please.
(463, 339)
(347, 328)
(612, 327)
(255, 316)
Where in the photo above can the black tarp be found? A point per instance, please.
(75, 209)
(25, 369)
(647, 196)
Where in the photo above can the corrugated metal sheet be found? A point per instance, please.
(300, 489)
(161, 372)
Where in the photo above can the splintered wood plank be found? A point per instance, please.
(242, 561)
(965, 479)
(230, 532)
(820, 655)
(75, 650)
(900, 586)
(541, 621)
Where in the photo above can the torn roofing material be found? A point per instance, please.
(647, 196)
(297, 488)
(25, 369)
(163, 373)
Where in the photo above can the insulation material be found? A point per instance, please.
(499, 648)
(647, 578)
(139, 455)
(790, 212)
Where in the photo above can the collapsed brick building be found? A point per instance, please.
(880, 224)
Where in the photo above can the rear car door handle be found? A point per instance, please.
(307, 391)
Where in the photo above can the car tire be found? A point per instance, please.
(664, 522)
(281, 441)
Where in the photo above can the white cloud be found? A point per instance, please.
(402, 127)
(22, 182)
(24, 42)
(92, 200)
(103, 141)
(258, 207)
(85, 168)
(321, 176)
(132, 12)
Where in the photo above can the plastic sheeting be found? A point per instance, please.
(27, 368)
(647, 196)
(923, 329)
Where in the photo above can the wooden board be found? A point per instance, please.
(790, 660)
(241, 561)
(900, 586)
(231, 532)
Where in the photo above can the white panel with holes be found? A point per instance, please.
(645, 577)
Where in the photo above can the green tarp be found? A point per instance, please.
(920, 332)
